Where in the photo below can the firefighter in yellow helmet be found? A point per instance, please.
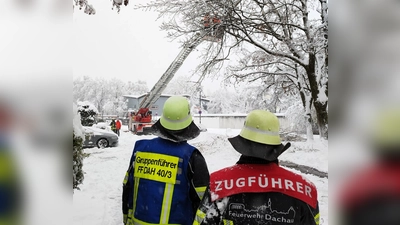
(167, 177)
(256, 190)
(371, 195)
(10, 182)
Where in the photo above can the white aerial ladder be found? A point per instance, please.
(141, 121)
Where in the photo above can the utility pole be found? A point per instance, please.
(200, 105)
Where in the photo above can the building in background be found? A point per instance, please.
(133, 102)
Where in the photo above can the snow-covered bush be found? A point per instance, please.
(295, 116)
(77, 155)
(87, 113)
(297, 119)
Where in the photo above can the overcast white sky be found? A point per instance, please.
(129, 45)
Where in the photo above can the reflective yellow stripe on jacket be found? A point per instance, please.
(200, 191)
(166, 204)
(169, 180)
(126, 178)
(228, 222)
(128, 218)
(139, 222)
(200, 215)
(316, 218)
(135, 191)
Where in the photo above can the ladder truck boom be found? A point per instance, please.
(143, 119)
(213, 31)
(162, 83)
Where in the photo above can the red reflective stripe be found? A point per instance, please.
(381, 180)
(256, 178)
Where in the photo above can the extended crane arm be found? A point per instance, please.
(161, 84)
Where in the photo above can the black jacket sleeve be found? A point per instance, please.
(199, 177)
(127, 190)
(311, 215)
(208, 211)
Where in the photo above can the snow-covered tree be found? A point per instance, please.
(77, 152)
(84, 4)
(116, 103)
(81, 87)
(135, 88)
(287, 32)
(87, 113)
(283, 82)
(182, 85)
(299, 121)
(222, 101)
(286, 43)
(100, 94)
(93, 90)
(107, 95)
(242, 98)
(90, 10)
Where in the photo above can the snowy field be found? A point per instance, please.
(99, 200)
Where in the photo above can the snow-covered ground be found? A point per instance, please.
(99, 200)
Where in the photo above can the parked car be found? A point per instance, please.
(99, 137)
(103, 126)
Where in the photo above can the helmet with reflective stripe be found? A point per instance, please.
(176, 113)
(386, 131)
(262, 127)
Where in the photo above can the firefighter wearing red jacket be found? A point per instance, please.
(118, 125)
(256, 190)
(371, 194)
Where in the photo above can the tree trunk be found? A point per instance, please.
(304, 169)
(309, 122)
(320, 107)
(307, 102)
(322, 118)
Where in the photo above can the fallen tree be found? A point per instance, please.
(304, 169)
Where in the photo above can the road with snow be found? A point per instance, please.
(99, 200)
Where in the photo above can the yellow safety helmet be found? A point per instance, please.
(176, 113)
(259, 136)
(386, 130)
(262, 127)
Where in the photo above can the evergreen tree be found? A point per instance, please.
(77, 159)
(88, 113)
(77, 154)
